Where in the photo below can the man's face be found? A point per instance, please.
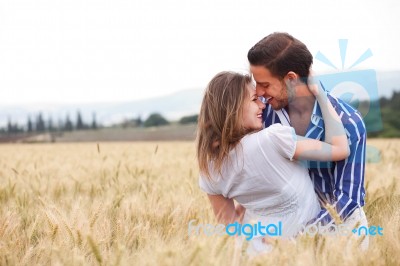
(270, 87)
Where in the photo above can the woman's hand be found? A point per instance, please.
(240, 211)
(225, 210)
(313, 84)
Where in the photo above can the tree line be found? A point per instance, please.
(390, 113)
(157, 119)
(38, 124)
(388, 116)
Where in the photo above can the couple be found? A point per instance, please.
(263, 170)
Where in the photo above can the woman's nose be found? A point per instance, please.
(261, 102)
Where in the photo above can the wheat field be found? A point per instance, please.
(130, 204)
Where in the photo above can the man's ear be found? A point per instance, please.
(292, 78)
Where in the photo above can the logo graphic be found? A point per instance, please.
(358, 88)
(258, 229)
(236, 229)
(341, 230)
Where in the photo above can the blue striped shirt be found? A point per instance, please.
(338, 183)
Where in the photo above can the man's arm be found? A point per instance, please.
(349, 174)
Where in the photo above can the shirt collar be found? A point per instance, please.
(316, 116)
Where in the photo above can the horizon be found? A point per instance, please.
(86, 102)
(48, 104)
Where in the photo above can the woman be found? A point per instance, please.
(259, 168)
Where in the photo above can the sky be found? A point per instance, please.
(86, 51)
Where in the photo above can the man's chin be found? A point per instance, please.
(278, 106)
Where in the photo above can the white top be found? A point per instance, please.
(262, 176)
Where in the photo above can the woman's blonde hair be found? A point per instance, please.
(220, 125)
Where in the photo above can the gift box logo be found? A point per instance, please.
(358, 88)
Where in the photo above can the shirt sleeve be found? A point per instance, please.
(283, 139)
(269, 116)
(323, 217)
(349, 192)
(349, 189)
(207, 186)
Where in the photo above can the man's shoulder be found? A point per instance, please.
(345, 110)
(341, 105)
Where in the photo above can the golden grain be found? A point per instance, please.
(130, 204)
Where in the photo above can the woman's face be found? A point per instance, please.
(252, 110)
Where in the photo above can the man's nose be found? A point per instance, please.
(260, 91)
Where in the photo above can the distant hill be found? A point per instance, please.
(172, 106)
(388, 82)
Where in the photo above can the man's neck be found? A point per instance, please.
(303, 101)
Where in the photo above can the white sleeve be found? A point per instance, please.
(207, 186)
(283, 139)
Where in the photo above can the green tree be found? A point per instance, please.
(192, 119)
(79, 122)
(68, 124)
(94, 123)
(40, 126)
(9, 126)
(50, 126)
(139, 121)
(30, 125)
(389, 114)
(155, 120)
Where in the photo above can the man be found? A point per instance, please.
(280, 65)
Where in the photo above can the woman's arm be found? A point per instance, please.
(335, 147)
(224, 209)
